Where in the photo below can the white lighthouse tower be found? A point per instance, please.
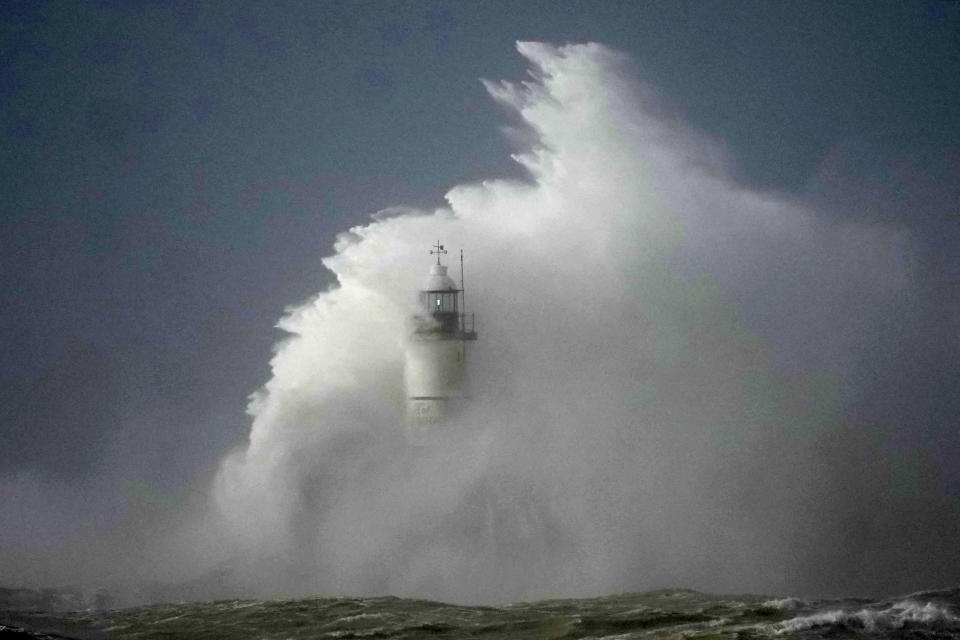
(435, 371)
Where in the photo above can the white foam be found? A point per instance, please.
(362, 616)
(897, 616)
(787, 604)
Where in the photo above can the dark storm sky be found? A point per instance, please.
(173, 172)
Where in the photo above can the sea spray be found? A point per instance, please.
(657, 375)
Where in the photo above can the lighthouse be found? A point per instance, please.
(435, 368)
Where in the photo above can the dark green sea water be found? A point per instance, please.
(672, 613)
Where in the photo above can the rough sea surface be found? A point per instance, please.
(673, 613)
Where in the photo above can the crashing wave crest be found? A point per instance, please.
(904, 614)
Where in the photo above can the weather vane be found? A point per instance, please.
(438, 249)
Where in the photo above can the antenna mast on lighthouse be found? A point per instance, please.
(463, 289)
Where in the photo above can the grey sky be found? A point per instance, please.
(173, 174)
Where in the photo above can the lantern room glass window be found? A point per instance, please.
(442, 301)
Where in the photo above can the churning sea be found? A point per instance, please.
(670, 613)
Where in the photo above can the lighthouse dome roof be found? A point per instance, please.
(438, 280)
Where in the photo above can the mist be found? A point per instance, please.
(679, 381)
